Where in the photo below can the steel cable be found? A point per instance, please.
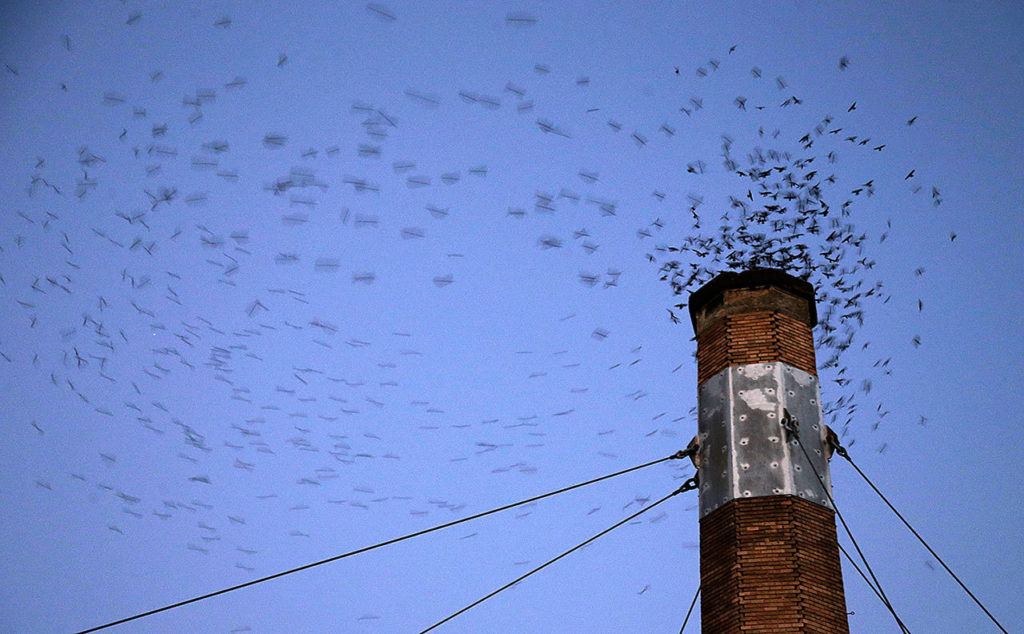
(676, 456)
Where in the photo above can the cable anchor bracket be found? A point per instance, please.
(689, 485)
(834, 444)
(790, 423)
(684, 453)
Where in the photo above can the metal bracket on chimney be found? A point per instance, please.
(745, 448)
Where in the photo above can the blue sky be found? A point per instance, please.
(241, 343)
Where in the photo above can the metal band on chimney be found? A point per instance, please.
(744, 449)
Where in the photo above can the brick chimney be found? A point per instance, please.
(769, 558)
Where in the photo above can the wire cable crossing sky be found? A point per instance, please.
(382, 544)
(280, 281)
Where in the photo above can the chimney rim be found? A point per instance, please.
(752, 278)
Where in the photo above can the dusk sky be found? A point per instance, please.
(281, 280)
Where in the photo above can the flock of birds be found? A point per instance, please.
(797, 216)
(99, 308)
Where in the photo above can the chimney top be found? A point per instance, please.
(780, 291)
